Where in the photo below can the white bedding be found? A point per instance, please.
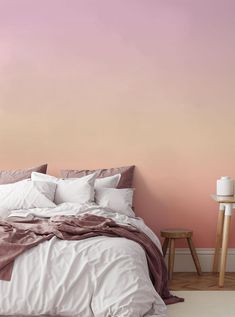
(99, 276)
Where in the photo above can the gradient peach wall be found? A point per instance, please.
(88, 83)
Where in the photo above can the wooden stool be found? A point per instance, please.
(170, 236)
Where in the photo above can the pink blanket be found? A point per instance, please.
(15, 238)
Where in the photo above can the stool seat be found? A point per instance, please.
(176, 233)
(170, 236)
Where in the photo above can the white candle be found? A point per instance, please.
(224, 186)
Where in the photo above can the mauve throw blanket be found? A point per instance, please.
(16, 237)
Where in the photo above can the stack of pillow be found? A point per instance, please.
(32, 188)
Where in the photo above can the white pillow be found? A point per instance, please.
(26, 194)
(46, 188)
(118, 200)
(107, 182)
(72, 190)
(40, 177)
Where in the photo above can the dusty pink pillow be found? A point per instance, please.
(12, 176)
(127, 173)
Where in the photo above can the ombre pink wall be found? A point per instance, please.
(87, 83)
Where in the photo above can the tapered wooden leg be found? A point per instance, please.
(171, 258)
(164, 246)
(219, 234)
(194, 255)
(227, 220)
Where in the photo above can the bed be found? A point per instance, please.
(100, 276)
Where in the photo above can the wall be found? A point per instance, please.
(88, 83)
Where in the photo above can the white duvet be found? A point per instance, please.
(99, 276)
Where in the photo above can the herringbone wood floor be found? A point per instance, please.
(206, 282)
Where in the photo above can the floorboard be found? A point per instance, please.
(206, 282)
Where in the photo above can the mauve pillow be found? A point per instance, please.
(127, 173)
(12, 176)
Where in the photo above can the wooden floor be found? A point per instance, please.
(206, 282)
